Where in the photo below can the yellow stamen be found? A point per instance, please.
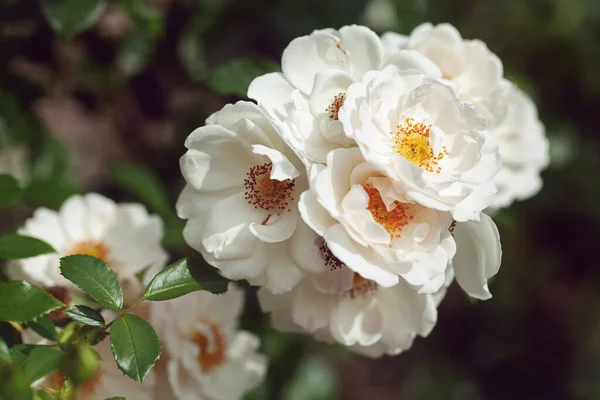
(411, 141)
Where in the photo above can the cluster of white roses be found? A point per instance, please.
(353, 192)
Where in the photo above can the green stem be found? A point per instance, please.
(127, 310)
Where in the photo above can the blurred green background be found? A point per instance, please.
(106, 105)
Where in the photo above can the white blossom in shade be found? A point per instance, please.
(478, 255)
(125, 236)
(304, 99)
(522, 141)
(207, 356)
(13, 161)
(241, 197)
(467, 64)
(107, 382)
(370, 225)
(338, 305)
(415, 130)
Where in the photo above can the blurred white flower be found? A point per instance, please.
(371, 226)
(124, 236)
(303, 101)
(107, 382)
(522, 141)
(241, 197)
(467, 64)
(414, 129)
(207, 356)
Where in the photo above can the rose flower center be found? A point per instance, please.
(211, 347)
(266, 193)
(91, 248)
(334, 108)
(361, 287)
(392, 220)
(331, 261)
(411, 141)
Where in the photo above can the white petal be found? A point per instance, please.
(216, 159)
(282, 273)
(277, 228)
(328, 85)
(282, 168)
(47, 226)
(413, 60)
(334, 281)
(307, 55)
(478, 255)
(305, 249)
(74, 216)
(357, 321)
(359, 259)
(313, 213)
(311, 309)
(363, 47)
(271, 91)
(101, 211)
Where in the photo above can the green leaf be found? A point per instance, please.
(234, 77)
(4, 353)
(10, 192)
(36, 360)
(135, 345)
(70, 17)
(21, 301)
(15, 383)
(94, 277)
(41, 361)
(85, 315)
(14, 246)
(44, 327)
(19, 352)
(180, 278)
(173, 281)
(145, 184)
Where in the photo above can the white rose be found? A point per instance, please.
(303, 101)
(338, 305)
(207, 356)
(522, 142)
(240, 201)
(124, 236)
(370, 225)
(468, 64)
(414, 129)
